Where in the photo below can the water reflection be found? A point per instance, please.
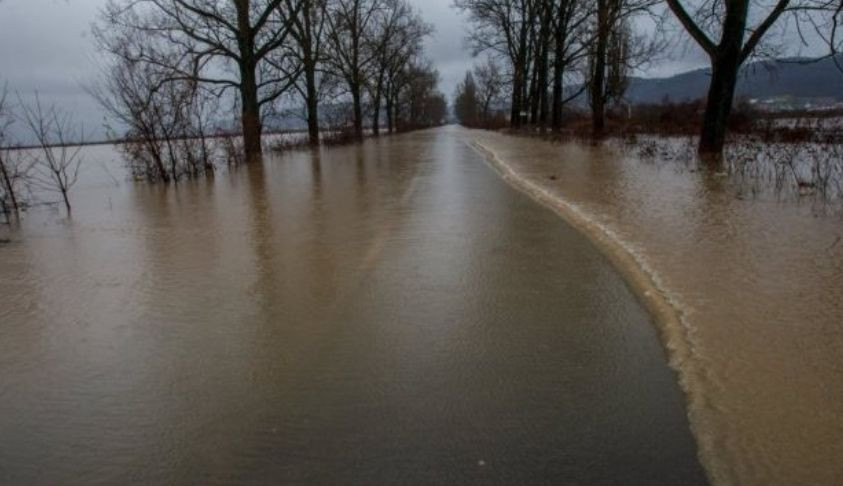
(383, 313)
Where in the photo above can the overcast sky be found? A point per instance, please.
(45, 45)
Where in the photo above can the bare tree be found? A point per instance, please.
(730, 32)
(571, 44)
(615, 52)
(308, 31)
(830, 31)
(56, 161)
(405, 48)
(490, 85)
(398, 31)
(12, 169)
(541, 44)
(350, 26)
(168, 123)
(504, 27)
(225, 44)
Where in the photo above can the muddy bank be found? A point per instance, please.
(748, 292)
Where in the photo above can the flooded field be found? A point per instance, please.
(749, 287)
(377, 314)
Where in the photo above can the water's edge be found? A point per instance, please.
(665, 308)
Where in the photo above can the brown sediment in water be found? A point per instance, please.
(644, 282)
(746, 293)
(380, 313)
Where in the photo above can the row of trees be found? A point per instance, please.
(175, 63)
(553, 51)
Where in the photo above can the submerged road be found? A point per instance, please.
(388, 313)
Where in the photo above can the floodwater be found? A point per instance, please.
(378, 314)
(755, 279)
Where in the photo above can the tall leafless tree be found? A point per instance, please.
(350, 26)
(490, 85)
(405, 48)
(730, 32)
(225, 44)
(398, 31)
(571, 45)
(614, 53)
(309, 31)
(56, 160)
(504, 27)
(13, 169)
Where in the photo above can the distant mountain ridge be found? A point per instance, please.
(793, 77)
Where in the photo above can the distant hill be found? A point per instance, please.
(761, 80)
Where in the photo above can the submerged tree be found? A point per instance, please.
(221, 44)
(571, 39)
(167, 120)
(503, 27)
(616, 51)
(56, 161)
(309, 32)
(400, 53)
(730, 32)
(13, 170)
(351, 23)
(545, 42)
(398, 32)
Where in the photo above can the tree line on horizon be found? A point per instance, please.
(543, 54)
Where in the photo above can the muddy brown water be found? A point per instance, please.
(377, 314)
(757, 279)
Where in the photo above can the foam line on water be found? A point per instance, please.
(666, 308)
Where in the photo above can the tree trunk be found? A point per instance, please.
(534, 90)
(515, 112)
(396, 110)
(726, 63)
(390, 125)
(312, 103)
(309, 61)
(376, 115)
(558, 76)
(558, 93)
(721, 91)
(250, 117)
(519, 82)
(157, 158)
(598, 82)
(66, 199)
(251, 120)
(358, 110)
(542, 81)
(10, 189)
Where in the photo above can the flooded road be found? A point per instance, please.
(756, 280)
(377, 314)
